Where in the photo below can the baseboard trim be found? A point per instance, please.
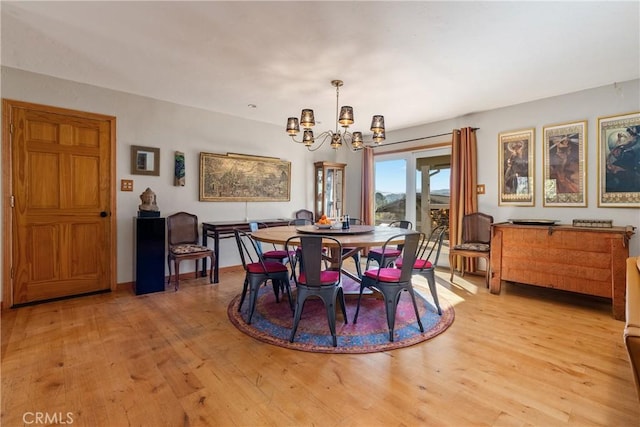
(183, 276)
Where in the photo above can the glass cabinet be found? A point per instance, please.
(329, 189)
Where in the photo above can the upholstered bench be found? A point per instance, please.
(632, 326)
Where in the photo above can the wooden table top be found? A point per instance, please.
(376, 237)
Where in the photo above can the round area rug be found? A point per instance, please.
(272, 323)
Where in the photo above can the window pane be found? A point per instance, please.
(390, 190)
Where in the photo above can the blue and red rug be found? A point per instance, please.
(272, 323)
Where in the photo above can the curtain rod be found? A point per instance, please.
(417, 139)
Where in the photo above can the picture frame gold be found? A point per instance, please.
(516, 166)
(619, 160)
(145, 160)
(244, 178)
(564, 171)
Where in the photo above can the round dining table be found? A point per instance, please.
(356, 238)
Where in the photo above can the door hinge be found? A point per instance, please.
(13, 201)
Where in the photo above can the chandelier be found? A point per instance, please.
(338, 138)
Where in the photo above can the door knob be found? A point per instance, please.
(103, 214)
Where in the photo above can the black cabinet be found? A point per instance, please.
(149, 240)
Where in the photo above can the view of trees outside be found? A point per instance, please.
(391, 193)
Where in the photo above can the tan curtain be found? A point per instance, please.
(366, 200)
(464, 199)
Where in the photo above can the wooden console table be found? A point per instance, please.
(224, 230)
(589, 261)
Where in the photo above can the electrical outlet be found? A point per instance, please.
(126, 185)
(480, 188)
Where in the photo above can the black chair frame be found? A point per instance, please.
(259, 272)
(311, 252)
(391, 290)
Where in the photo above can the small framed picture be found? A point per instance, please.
(516, 150)
(145, 160)
(564, 164)
(619, 161)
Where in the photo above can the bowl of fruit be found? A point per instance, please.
(323, 223)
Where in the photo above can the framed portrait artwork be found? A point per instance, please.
(516, 167)
(564, 164)
(619, 161)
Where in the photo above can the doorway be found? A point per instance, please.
(414, 186)
(59, 203)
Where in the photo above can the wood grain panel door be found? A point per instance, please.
(62, 209)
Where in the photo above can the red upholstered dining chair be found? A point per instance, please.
(275, 254)
(476, 242)
(259, 271)
(391, 282)
(375, 254)
(313, 281)
(182, 236)
(427, 260)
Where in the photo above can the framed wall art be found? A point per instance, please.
(179, 169)
(145, 160)
(564, 164)
(242, 178)
(619, 161)
(516, 186)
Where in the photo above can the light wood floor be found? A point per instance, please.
(528, 357)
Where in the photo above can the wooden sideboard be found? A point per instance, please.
(589, 261)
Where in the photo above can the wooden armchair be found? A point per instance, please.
(182, 236)
(304, 214)
(476, 241)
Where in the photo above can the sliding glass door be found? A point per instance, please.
(413, 186)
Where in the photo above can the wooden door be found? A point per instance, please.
(62, 210)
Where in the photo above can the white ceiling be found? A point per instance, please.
(413, 62)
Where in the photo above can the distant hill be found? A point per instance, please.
(392, 202)
(392, 197)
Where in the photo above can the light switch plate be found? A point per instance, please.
(126, 185)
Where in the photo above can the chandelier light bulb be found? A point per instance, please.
(377, 124)
(346, 116)
(356, 140)
(378, 137)
(292, 126)
(307, 119)
(308, 138)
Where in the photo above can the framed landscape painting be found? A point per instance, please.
(243, 178)
(619, 161)
(516, 167)
(564, 164)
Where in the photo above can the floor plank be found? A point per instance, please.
(527, 357)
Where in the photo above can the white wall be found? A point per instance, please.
(171, 127)
(148, 122)
(587, 105)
